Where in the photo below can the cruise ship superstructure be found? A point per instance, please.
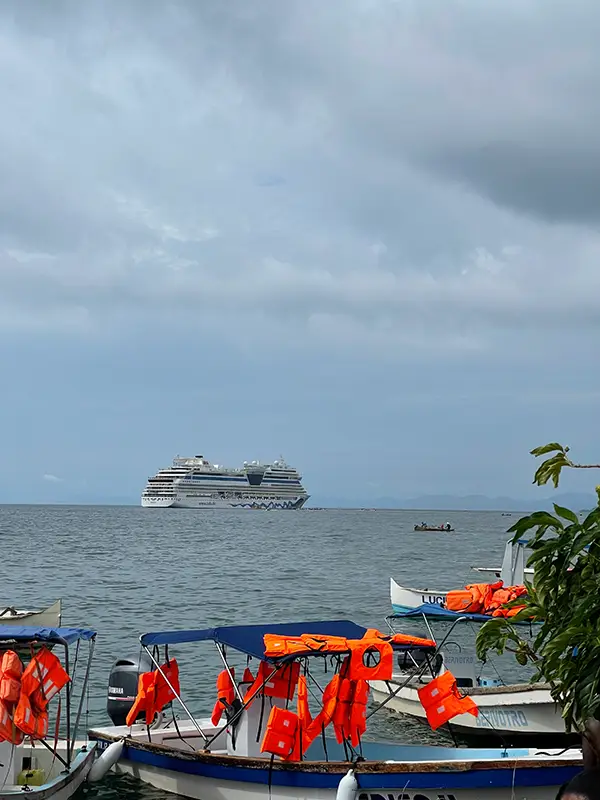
(196, 483)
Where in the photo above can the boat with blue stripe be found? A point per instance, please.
(204, 760)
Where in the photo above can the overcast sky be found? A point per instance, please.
(359, 233)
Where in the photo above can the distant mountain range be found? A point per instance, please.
(426, 502)
(473, 502)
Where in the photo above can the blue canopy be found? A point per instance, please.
(248, 639)
(32, 633)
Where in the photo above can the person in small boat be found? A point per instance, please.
(448, 526)
(584, 786)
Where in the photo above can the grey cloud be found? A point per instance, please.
(333, 167)
(503, 97)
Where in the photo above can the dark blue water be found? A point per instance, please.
(127, 570)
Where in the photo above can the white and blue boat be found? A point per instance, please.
(411, 602)
(204, 761)
(53, 766)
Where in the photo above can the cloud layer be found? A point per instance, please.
(420, 173)
(344, 203)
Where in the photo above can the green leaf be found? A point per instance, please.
(566, 513)
(551, 469)
(547, 448)
(563, 596)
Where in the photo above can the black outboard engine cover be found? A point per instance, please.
(123, 685)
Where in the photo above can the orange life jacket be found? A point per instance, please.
(8, 730)
(333, 644)
(461, 600)
(302, 740)
(276, 646)
(30, 722)
(358, 711)
(499, 598)
(154, 692)
(398, 638)
(163, 694)
(225, 695)
(473, 599)
(282, 684)
(342, 711)
(359, 654)
(326, 714)
(507, 612)
(304, 714)
(145, 682)
(280, 733)
(441, 700)
(11, 670)
(416, 641)
(43, 677)
(505, 595)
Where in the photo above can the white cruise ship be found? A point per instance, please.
(196, 483)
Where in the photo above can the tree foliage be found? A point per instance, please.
(564, 596)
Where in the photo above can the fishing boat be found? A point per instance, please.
(34, 758)
(518, 714)
(255, 747)
(447, 528)
(48, 617)
(522, 714)
(408, 601)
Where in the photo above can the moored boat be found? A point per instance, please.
(405, 598)
(48, 617)
(408, 601)
(447, 528)
(34, 758)
(263, 749)
(519, 714)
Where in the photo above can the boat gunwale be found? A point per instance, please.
(337, 767)
(57, 783)
(515, 688)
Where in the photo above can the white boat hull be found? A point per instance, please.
(420, 773)
(48, 618)
(212, 503)
(407, 599)
(523, 711)
(59, 785)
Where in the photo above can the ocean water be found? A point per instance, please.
(126, 570)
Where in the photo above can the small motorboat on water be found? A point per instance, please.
(447, 528)
(35, 758)
(255, 746)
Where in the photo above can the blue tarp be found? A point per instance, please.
(434, 610)
(249, 638)
(32, 633)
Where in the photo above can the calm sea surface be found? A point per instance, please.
(126, 570)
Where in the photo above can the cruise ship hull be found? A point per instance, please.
(210, 503)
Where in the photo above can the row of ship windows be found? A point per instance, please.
(227, 495)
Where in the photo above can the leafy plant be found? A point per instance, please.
(564, 596)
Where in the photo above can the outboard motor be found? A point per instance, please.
(123, 685)
(417, 659)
